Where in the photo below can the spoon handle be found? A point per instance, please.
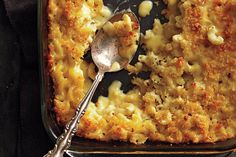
(64, 140)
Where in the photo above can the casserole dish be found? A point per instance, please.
(80, 145)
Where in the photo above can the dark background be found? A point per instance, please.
(21, 129)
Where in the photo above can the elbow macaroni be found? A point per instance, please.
(213, 38)
(191, 92)
(144, 8)
(127, 33)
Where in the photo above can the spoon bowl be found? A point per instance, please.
(105, 48)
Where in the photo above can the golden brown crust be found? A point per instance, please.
(191, 93)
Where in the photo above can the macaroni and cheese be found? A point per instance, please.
(190, 95)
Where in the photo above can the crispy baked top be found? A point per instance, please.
(190, 95)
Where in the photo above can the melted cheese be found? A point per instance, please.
(191, 92)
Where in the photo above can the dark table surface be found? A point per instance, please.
(21, 129)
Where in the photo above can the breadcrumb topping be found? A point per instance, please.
(190, 95)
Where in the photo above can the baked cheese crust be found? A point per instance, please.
(190, 95)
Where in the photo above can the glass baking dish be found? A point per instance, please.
(81, 145)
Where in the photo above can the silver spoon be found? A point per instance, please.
(105, 53)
